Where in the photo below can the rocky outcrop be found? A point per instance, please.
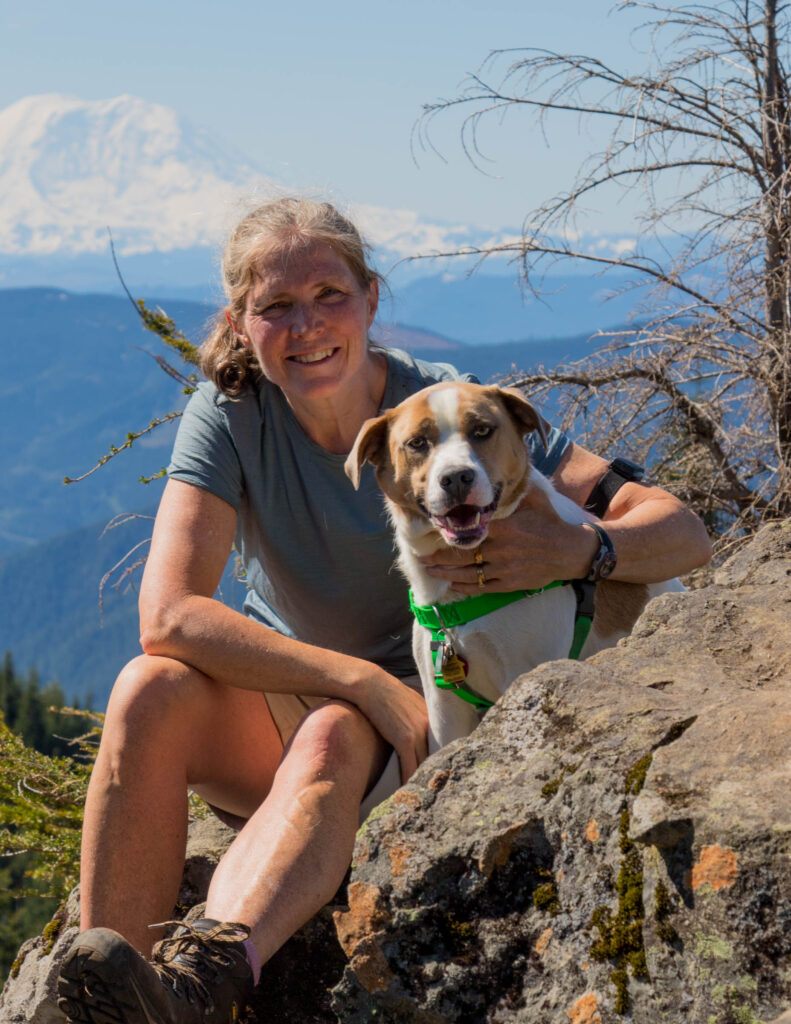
(613, 843)
(614, 840)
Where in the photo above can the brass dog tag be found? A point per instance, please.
(453, 668)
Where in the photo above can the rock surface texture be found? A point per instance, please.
(612, 844)
(614, 840)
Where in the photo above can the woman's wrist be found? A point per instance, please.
(582, 551)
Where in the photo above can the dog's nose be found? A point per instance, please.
(456, 483)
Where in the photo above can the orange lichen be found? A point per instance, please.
(407, 798)
(399, 855)
(585, 1010)
(543, 941)
(592, 831)
(365, 914)
(359, 935)
(717, 868)
(438, 779)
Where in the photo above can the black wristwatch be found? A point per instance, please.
(605, 559)
(619, 472)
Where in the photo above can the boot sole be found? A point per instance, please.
(85, 995)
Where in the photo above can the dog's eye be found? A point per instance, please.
(417, 443)
(482, 430)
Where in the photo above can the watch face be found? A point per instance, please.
(606, 565)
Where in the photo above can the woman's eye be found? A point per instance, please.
(329, 293)
(272, 308)
(417, 444)
(482, 430)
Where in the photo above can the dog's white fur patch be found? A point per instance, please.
(444, 404)
(453, 453)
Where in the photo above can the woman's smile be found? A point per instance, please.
(314, 357)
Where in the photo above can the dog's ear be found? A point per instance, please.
(369, 447)
(523, 413)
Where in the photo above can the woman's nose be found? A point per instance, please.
(306, 320)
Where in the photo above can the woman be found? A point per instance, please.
(283, 718)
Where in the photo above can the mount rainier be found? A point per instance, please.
(70, 169)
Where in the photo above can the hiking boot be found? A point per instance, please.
(200, 975)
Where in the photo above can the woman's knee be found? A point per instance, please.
(335, 737)
(152, 693)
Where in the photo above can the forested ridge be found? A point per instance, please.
(33, 730)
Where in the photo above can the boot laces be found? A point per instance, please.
(192, 962)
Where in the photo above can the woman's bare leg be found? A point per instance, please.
(292, 854)
(165, 721)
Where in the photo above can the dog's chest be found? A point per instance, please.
(503, 644)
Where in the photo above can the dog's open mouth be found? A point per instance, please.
(465, 525)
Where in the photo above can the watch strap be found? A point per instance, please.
(608, 486)
(604, 560)
(602, 494)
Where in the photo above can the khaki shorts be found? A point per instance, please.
(288, 710)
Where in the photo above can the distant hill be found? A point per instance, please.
(74, 382)
(49, 609)
(50, 613)
(487, 308)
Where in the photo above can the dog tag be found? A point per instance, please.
(453, 668)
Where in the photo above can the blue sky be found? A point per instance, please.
(325, 95)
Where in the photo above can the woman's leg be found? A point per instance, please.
(293, 853)
(168, 727)
(166, 724)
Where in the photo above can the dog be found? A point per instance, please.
(450, 459)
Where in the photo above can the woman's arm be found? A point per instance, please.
(180, 619)
(654, 535)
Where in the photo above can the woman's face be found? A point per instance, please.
(307, 320)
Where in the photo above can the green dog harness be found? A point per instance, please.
(450, 670)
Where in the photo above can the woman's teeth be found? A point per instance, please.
(313, 357)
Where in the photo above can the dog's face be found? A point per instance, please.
(453, 454)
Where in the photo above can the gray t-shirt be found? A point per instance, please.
(318, 555)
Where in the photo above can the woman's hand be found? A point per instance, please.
(528, 550)
(397, 712)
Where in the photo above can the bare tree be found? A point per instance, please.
(701, 384)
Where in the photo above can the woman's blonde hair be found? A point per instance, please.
(283, 225)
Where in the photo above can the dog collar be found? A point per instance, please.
(438, 618)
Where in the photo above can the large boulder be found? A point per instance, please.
(613, 842)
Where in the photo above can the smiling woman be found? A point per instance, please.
(284, 718)
(302, 298)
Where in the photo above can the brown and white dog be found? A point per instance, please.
(450, 459)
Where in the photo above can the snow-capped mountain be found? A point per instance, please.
(70, 169)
